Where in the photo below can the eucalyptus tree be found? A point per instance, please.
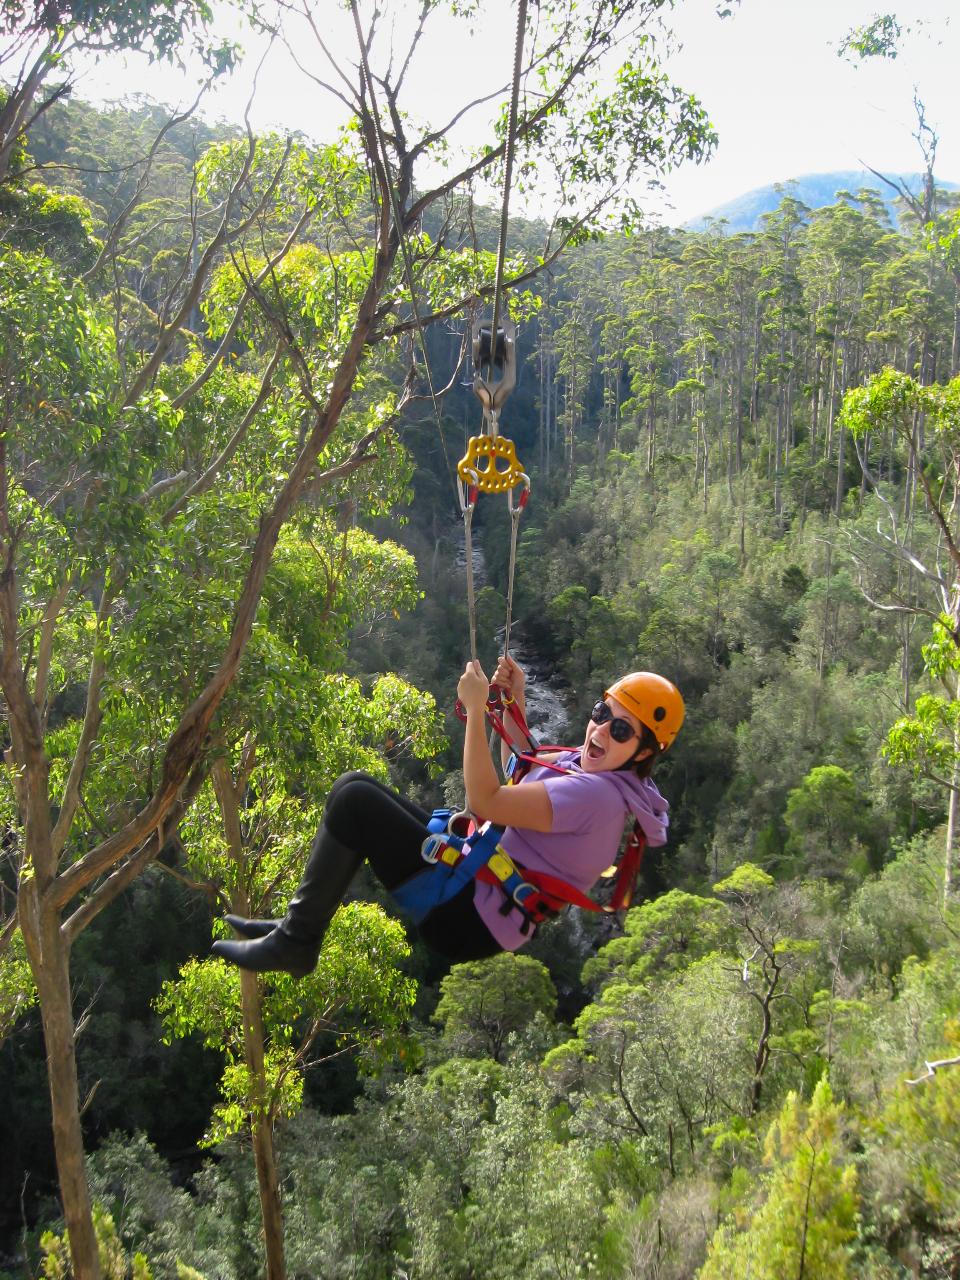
(653, 316)
(42, 42)
(782, 304)
(653, 1063)
(286, 730)
(808, 1217)
(841, 251)
(612, 353)
(776, 970)
(132, 489)
(737, 286)
(892, 404)
(702, 339)
(483, 1002)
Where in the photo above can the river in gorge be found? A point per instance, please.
(547, 694)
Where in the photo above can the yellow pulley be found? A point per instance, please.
(491, 465)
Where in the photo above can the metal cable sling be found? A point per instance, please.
(490, 464)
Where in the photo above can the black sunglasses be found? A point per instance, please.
(620, 730)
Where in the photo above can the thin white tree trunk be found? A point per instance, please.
(951, 824)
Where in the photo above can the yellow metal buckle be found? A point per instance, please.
(491, 464)
(501, 865)
(450, 855)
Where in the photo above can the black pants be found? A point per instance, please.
(388, 830)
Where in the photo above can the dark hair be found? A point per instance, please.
(648, 742)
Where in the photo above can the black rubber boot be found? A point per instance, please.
(294, 945)
(251, 928)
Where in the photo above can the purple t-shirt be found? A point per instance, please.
(589, 810)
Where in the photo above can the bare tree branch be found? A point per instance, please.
(933, 1068)
(204, 481)
(45, 652)
(15, 115)
(227, 340)
(186, 742)
(224, 236)
(116, 230)
(114, 885)
(92, 717)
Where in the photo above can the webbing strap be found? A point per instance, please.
(515, 513)
(442, 880)
(468, 507)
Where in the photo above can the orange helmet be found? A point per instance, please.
(653, 700)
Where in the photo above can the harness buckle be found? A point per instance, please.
(512, 882)
(458, 824)
(436, 849)
(501, 865)
(522, 893)
(430, 849)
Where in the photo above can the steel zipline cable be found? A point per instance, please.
(509, 151)
(479, 470)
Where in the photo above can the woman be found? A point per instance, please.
(565, 821)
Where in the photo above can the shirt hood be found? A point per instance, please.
(640, 797)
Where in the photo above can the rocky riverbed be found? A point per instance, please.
(547, 693)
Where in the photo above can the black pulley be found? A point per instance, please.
(481, 348)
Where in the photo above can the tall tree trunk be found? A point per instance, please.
(228, 799)
(617, 401)
(755, 372)
(739, 395)
(731, 439)
(815, 405)
(49, 956)
(651, 433)
(229, 796)
(841, 468)
(545, 384)
(951, 825)
(261, 1125)
(706, 461)
(48, 950)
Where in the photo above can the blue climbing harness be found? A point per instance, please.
(453, 861)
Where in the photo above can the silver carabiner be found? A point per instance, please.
(516, 507)
(467, 504)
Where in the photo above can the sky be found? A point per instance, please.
(785, 104)
(782, 101)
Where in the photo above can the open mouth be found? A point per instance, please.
(595, 751)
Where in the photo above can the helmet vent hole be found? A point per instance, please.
(659, 714)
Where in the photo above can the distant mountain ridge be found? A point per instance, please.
(814, 189)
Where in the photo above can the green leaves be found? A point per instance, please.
(747, 884)
(483, 1001)
(18, 992)
(356, 998)
(156, 27)
(809, 1213)
(876, 39)
(660, 937)
(826, 810)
